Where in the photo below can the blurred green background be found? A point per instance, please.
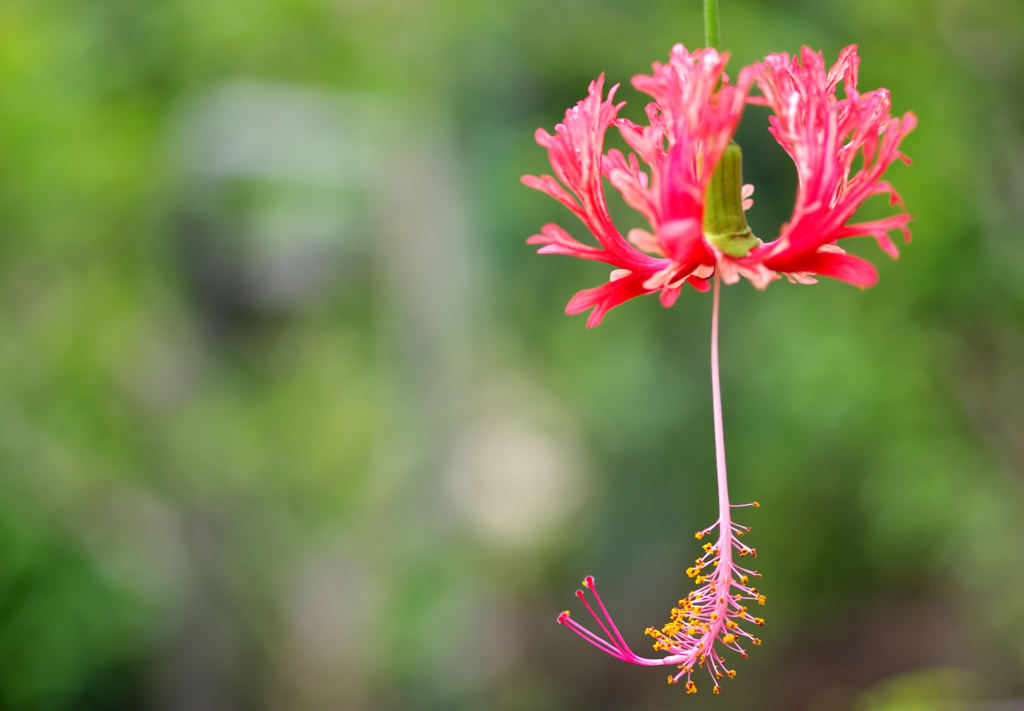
(291, 417)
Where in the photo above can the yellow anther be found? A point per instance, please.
(698, 535)
(731, 625)
(691, 688)
(729, 638)
(756, 505)
(672, 679)
(565, 613)
(756, 642)
(690, 572)
(744, 579)
(753, 552)
(585, 583)
(714, 615)
(715, 690)
(707, 547)
(759, 621)
(731, 673)
(761, 599)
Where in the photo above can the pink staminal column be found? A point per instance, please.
(709, 620)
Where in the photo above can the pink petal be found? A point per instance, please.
(606, 297)
(841, 148)
(844, 267)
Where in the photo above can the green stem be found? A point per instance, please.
(712, 35)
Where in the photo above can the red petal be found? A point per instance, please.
(844, 267)
(607, 296)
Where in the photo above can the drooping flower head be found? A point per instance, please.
(684, 176)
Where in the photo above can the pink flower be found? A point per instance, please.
(690, 190)
(684, 177)
(708, 621)
(825, 136)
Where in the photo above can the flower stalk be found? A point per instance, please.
(711, 28)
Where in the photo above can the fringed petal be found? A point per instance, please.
(838, 265)
(828, 138)
(606, 297)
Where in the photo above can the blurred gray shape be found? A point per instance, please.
(271, 184)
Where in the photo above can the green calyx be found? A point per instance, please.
(725, 225)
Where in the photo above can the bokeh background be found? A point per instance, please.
(291, 417)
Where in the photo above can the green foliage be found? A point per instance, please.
(247, 362)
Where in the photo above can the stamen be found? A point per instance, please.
(711, 615)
